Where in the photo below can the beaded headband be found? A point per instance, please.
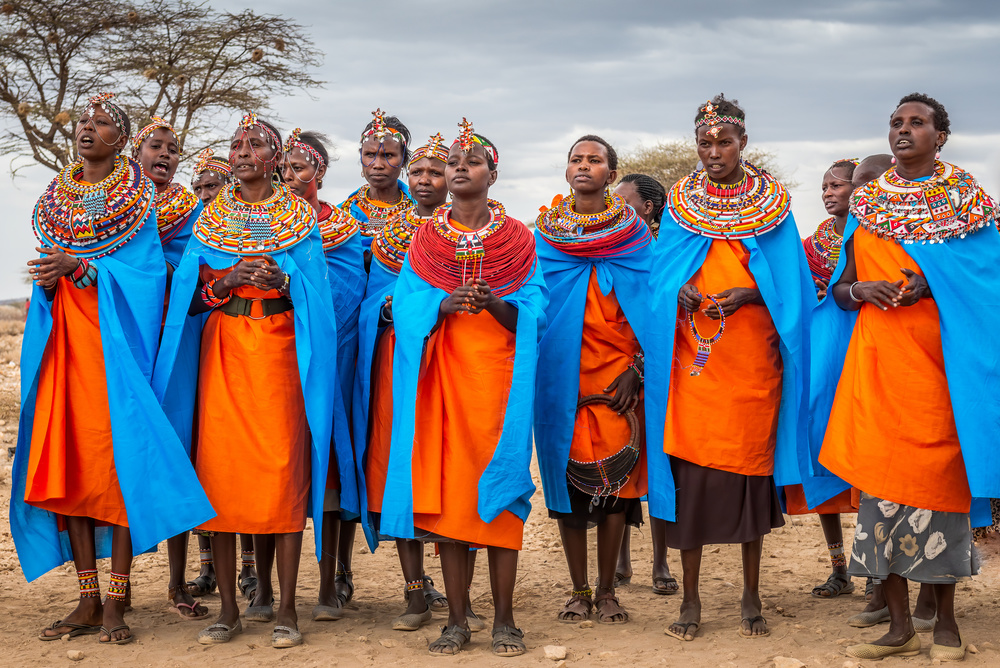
(208, 162)
(467, 137)
(157, 123)
(433, 149)
(854, 161)
(312, 155)
(712, 118)
(103, 100)
(379, 130)
(250, 121)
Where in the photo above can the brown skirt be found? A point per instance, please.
(716, 506)
(583, 516)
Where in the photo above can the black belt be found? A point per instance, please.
(238, 306)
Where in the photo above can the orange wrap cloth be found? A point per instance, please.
(892, 430)
(377, 455)
(845, 502)
(71, 470)
(727, 417)
(252, 444)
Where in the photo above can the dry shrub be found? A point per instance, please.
(11, 312)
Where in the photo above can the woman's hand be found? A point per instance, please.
(53, 265)
(821, 288)
(915, 290)
(688, 297)
(880, 293)
(626, 388)
(268, 275)
(460, 300)
(731, 300)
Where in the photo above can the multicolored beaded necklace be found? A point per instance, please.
(615, 231)
(947, 205)
(173, 208)
(754, 206)
(377, 213)
(92, 220)
(335, 226)
(390, 246)
(250, 228)
(705, 343)
(502, 253)
(823, 249)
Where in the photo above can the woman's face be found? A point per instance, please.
(206, 186)
(159, 155)
(912, 136)
(836, 192)
(720, 151)
(97, 136)
(427, 182)
(587, 170)
(250, 154)
(381, 162)
(468, 174)
(302, 176)
(630, 194)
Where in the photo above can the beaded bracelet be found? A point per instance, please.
(635, 368)
(208, 295)
(84, 275)
(851, 293)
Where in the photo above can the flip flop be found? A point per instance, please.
(327, 613)
(284, 637)
(260, 613)
(193, 607)
(74, 630)
(219, 633)
(122, 641)
(683, 636)
(665, 590)
(752, 621)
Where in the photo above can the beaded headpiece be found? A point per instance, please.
(853, 161)
(312, 155)
(104, 100)
(713, 119)
(250, 121)
(379, 130)
(208, 162)
(156, 123)
(467, 137)
(432, 149)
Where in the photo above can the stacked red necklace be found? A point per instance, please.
(249, 228)
(91, 221)
(823, 249)
(947, 205)
(173, 208)
(377, 213)
(615, 231)
(755, 205)
(502, 253)
(335, 226)
(390, 246)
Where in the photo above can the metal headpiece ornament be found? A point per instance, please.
(434, 148)
(104, 100)
(208, 162)
(467, 137)
(312, 155)
(156, 123)
(713, 119)
(380, 131)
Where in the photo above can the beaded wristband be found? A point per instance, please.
(851, 293)
(208, 295)
(637, 372)
(84, 275)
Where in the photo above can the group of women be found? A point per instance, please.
(247, 357)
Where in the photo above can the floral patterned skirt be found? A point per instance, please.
(915, 543)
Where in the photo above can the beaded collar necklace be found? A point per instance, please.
(823, 248)
(250, 228)
(335, 226)
(947, 205)
(378, 213)
(754, 206)
(391, 244)
(616, 231)
(173, 208)
(92, 220)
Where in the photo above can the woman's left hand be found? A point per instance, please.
(626, 388)
(53, 265)
(268, 275)
(915, 290)
(732, 300)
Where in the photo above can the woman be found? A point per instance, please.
(373, 401)
(306, 161)
(914, 317)
(459, 463)
(251, 365)
(726, 387)
(595, 253)
(86, 464)
(211, 175)
(646, 196)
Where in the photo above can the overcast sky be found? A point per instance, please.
(818, 82)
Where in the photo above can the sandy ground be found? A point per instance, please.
(809, 630)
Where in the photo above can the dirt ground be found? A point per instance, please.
(807, 629)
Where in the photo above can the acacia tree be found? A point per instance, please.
(669, 162)
(180, 60)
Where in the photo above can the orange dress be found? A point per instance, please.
(252, 447)
(606, 350)
(467, 370)
(892, 430)
(845, 502)
(377, 454)
(71, 470)
(727, 417)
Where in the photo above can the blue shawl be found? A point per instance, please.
(173, 250)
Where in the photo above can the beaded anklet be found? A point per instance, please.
(118, 587)
(248, 558)
(89, 586)
(588, 592)
(208, 295)
(205, 555)
(837, 556)
(414, 585)
(84, 275)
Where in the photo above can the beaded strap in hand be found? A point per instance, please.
(705, 344)
(605, 477)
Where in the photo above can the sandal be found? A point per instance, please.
(450, 642)
(203, 585)
(121, 641)
(219, 633)
(750, 622)
(508, 641)
(248, 586)
(564, 615)
(435, 600)
(609, 618)
(622, 580)
(194, 610)
(835, 585)
(344, 593)
(662, 586)
(687, 631)
(284, 637)
(74, 630)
